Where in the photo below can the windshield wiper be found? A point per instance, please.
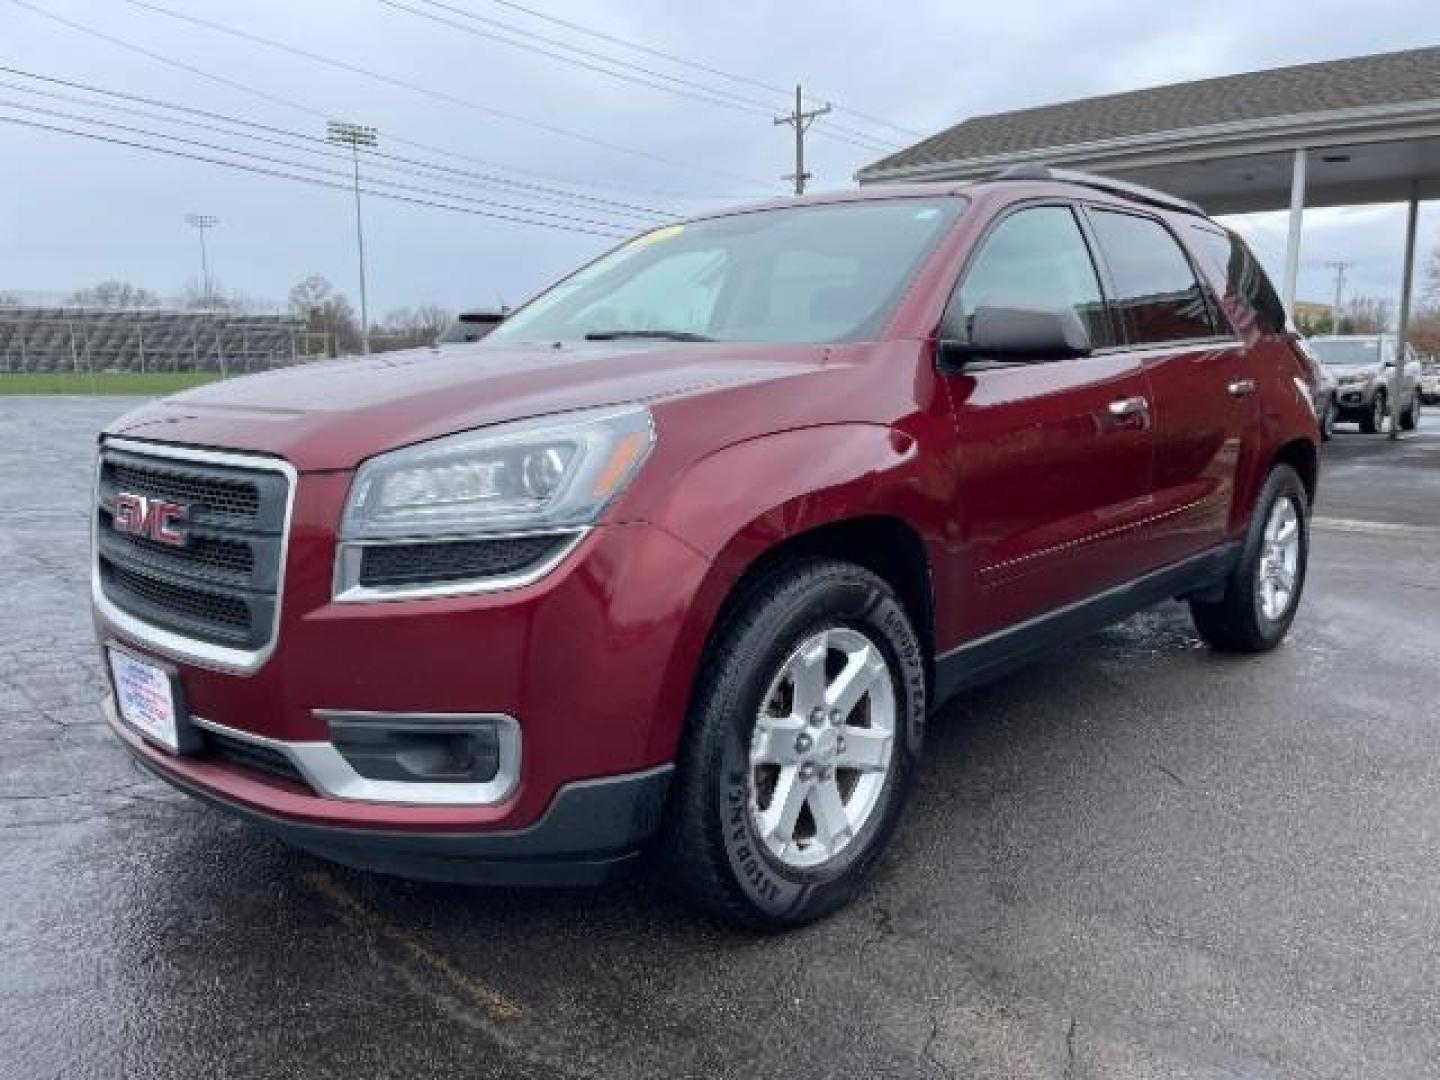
(655, 335)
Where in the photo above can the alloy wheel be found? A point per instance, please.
(822, 747)
(1279, 568)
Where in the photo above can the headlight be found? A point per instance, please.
(553, 472)
(491, 509)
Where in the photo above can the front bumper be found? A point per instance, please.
(1354, 400)
(592, 831)
(593, 662)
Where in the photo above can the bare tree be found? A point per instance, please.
(114, 294)
(326, 312)
(408, 327)
(1366, 315)
(1424, 332)
(1430, 290)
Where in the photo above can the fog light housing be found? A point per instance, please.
(427, 749)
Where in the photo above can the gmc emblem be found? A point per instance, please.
(159, 520)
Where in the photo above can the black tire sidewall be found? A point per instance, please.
(839, 596)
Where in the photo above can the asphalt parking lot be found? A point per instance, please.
(1134, 859)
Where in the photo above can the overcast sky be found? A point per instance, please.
(75, 211)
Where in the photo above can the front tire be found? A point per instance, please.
(1262, 591)
(801, 746)
(1374, 420)
(1410, 419)
(1327, 421)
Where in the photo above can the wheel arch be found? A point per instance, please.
(1302, 456)
(886, 544)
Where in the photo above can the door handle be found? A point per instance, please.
(1241, 387)
(1130, 406)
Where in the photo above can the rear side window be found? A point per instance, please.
(1156, 290)
(1245, 279)
(1035, 258)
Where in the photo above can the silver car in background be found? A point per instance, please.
(1363, 366)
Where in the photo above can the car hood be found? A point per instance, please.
(334, 414)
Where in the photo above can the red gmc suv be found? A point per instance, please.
(682, 555)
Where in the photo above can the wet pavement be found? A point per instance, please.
(1134, 859)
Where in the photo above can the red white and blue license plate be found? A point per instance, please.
(145, 697)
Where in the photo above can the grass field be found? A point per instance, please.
(62, 382)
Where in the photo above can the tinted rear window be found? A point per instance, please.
(1156, 290)
(1246, 280)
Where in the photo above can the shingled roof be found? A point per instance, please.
(1335, 85)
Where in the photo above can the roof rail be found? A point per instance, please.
(1137, 192)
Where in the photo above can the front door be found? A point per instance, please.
(1053, 458)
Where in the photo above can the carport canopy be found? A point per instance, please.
(1338, 133)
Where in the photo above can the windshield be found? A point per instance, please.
(1347, 352)
(802, 274)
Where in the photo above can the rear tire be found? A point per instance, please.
(1262, 591)
(780, 808)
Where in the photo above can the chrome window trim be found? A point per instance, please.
(346, 587)
(168, 642)
(327, 771)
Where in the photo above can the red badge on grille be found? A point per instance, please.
(159, 520)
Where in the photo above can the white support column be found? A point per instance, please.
(1292, 239)
(1407, 281)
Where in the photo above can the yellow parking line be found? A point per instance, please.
(478, 993)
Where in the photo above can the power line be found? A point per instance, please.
(315, 145)
(610, 227)
(290, 103)
(693, 64)
(261, 170)
(417, 88)
(682, 87)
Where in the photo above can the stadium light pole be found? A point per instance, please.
(201, 222)
(355, 136)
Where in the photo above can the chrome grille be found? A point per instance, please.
(220, 585)
(206, 495)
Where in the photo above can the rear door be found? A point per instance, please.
(1201, 378)
(1053, 458)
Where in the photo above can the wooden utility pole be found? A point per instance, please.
(800, 120)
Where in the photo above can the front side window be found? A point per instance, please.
(1035, 258)
(824, 273)
(1156, 290)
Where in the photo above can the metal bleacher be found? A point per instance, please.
(70, 338)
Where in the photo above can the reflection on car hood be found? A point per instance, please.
(332, 415)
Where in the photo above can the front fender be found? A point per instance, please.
(739, 502)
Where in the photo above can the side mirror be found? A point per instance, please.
(1025, 335)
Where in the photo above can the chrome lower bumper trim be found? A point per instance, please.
(327, 771)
